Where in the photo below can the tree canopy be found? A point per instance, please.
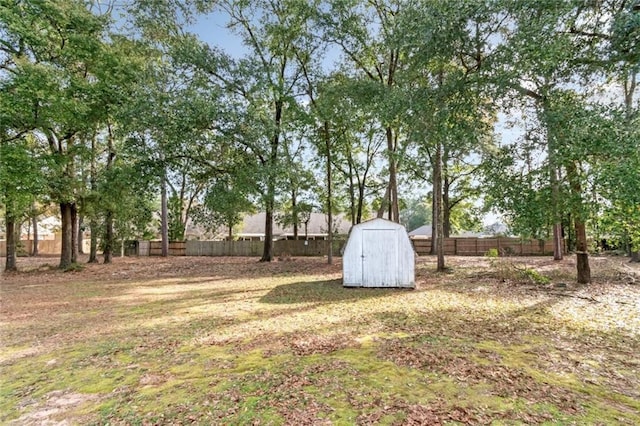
(125, 115)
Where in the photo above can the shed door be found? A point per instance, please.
(379, 257)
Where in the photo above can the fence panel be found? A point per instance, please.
(480, 246)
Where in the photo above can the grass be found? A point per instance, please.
(231, 341)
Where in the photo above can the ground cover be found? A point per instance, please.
(233, 341)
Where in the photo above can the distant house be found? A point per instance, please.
(422, 232)
(425, 232)
(252, 228)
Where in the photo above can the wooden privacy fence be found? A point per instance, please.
(452, 246)
(24, 247)
(176, 248)
(234, 248)
(480, 246)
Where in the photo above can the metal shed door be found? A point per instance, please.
(379, 257)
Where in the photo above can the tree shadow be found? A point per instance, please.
(330, 291)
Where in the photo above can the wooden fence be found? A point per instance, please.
(452, 246)
(234, 248)
(176, 248)
(480, 246)
(24, 247)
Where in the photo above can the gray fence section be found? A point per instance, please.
(254, 248)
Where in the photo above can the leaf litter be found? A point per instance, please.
(231, 340)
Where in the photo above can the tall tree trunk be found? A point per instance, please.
(390, 200)
(437, 195)
(10, 263)
(107, 253)
(80, 234)
(164, 213)
(108, 220)
(630, 86)
(352, 197)
(582, 253)
(294, 214)
(66, 218)
(327, 141)
(434, 218)
(93, 247)
(267, 252)
(446, 205)
(384, 205)
(582, 248)
(34, 223)
(93, 225)
(555, 193)
(360, 202)
(74, 233)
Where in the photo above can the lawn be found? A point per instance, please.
(233, 341)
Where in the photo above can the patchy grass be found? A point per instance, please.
(234, 341)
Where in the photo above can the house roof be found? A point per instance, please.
(423, 231)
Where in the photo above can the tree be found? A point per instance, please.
(448, 115)
(21, 183)
(366, 33)
(64, 75)
(264, 83)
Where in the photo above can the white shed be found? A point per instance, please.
(378, 254)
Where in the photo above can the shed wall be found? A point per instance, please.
(378, 254)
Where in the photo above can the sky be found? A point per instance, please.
(212, 29)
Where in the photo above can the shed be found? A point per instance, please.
(378, 254)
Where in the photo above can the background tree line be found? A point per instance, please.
(113, 111)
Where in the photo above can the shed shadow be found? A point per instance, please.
(330, 291)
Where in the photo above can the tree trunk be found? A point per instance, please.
(360, 202)
(108, 237)
(66, 218)
(74, 233)
(384, 203)
(394, 205)
(437, 195)
(446, 210)
(34, 223)
(327, 142)
(390, 200)
(10, 263)
(294, 214)
(80, 234)
(267, 253)
(557, 222)
(164, 213)
(93, 225)
(93, 248)
(352, 196)
(582, 253)
(434, 236)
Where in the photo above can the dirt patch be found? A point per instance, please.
(54, 410)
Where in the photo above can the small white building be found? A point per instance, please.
(378, 254)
